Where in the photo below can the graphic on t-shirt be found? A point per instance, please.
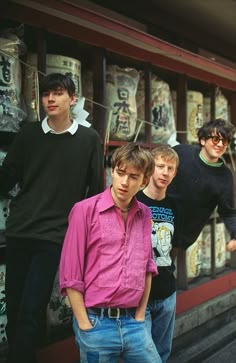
(162, 233)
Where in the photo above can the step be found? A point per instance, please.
(196, 352)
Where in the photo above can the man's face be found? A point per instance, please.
(165, 171)
(57, 102)
(213, 148)
(126, 182)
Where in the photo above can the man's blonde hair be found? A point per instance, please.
(166, 152)
(135, 155)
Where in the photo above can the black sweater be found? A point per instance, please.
(201, 188)
(53, 171)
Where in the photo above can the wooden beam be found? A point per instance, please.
(121, 39)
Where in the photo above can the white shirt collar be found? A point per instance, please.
(46, 128)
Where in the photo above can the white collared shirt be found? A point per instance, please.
(46, 128)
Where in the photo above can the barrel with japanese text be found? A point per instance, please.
(222, 109)
(4, 203)
(220, 249)
(194, 115)
(11, 111)
(162, 110)
(3, 316)
(87, 92)
(194, 259)
(121, 88)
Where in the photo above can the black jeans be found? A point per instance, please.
(31, 267)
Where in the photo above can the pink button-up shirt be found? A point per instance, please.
(102, 258)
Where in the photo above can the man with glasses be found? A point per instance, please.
(204, 182)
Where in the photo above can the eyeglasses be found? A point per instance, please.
(216, 139)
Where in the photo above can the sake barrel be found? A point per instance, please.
(194, 114)
(193, 258)
(11, 112)
(174, 103)
(227, 254)
(121, 88)
(163, 122)
(2, 156)
(3, 316)
(206, 109)
(220, 248)
(108, 176)
(4, 211)
(4, 203)
(163, 119)
(59, 313)
(221, 107)
(54, 64)
(229, 113)
(87, 92)
(68, 66)
(30, 89)
(140, 99)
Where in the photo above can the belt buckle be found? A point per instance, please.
(110, 313)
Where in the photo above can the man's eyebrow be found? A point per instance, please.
(132, 174)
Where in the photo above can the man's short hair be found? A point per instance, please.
(219, 127)
(55, 81)
(166, 152)
(135, 155)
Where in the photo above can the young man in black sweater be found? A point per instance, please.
(56, 163)
(203, 182)
(160, 314)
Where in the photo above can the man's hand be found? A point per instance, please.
(85, 325)
(231, 246)
(139, 316)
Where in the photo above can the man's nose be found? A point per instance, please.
(221, 142)
(165, 171)
(50, 96)
(125, 179)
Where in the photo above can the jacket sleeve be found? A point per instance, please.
(96, 172)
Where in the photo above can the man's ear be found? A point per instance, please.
(73, 100)
(202, 142)
(145, 182)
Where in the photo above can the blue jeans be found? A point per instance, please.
(111, 338)
(160, 320)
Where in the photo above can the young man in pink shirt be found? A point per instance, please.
(107, 265)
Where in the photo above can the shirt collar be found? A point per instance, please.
(46, 128)
(218, 164)
(107, 201)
